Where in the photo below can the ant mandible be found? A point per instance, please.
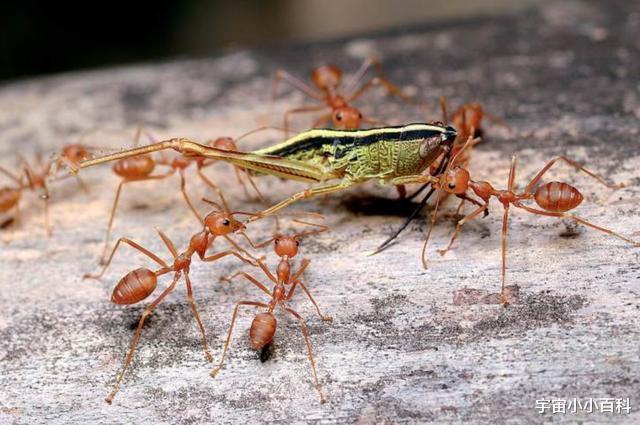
(327, 80)
(140, 283)
(263, 327)
(554, 198)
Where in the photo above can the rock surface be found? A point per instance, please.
(564, 77)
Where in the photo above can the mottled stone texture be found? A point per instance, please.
(565, 78)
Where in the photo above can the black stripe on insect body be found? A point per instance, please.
(347, 139)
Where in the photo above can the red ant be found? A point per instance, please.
(28, 178)
(138, 284)
(554, 198)
(140, 168)
(327, 80)
(264, 324)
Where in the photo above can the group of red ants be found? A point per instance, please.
(335, 102)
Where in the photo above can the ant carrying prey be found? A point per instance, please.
(554, 199)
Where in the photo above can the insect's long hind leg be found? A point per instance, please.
(194, 310)
(216, 369)
(136, 337)
(305, 333)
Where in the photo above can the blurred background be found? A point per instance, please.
(41, 37)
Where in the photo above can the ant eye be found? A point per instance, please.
(225, 222)
(339, 116)
(360, 115)
(276, 241)
(297, 243)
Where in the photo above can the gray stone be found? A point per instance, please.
(565, 78)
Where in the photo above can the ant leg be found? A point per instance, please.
(216, 369)
(250, 278)
(303, 326)
(219, 255)
(378, 80)
(505, 218)
(472, 215)
(457, 213)
(512, 173)
(136, 337)
(133, 245)
(110, 223)
(253, 184)
(213, 186)
(282, 75)
(115, 206)
(169, 244)
(579, 220)
(183, 189)
(322, 120)
(302, 109)
(306, 291)
(574, 164)
(194, 309)
(82, 185)
(45, 198)
(305, 194)
(11, 175)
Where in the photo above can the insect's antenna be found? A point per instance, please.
(243, 213)
(319, 228)
(215, 204)
(257, 130)
(433, 220)
(443, 108)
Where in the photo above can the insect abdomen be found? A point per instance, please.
(135, 286)
(558, 197)
(262, 330)
(135, 167)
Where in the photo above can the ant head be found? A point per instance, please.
(222, 223)
(75, 153)
(199, 242)
(346, 118)
(326, 76)
(455, 180)
(286, 245)
(225, 144)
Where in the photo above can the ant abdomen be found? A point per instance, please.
(558, 197)
(135, 286)
(262, 330)
(134, 167)
(8, 198)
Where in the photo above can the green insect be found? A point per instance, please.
(392, 155)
